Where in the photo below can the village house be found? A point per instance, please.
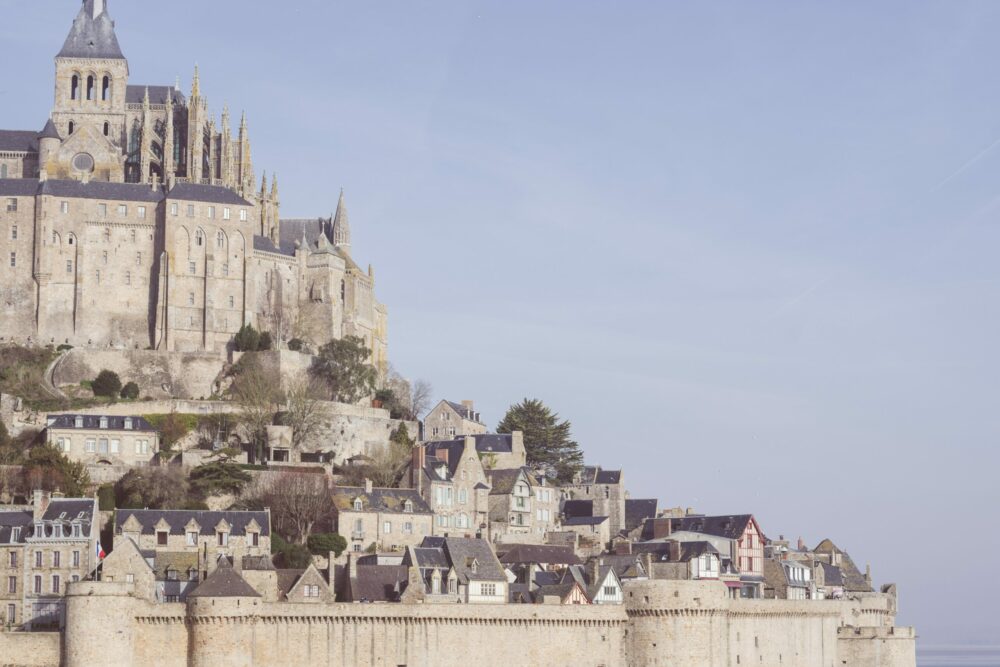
(600, 582)
(529, 564)
(788, 580)
(606, 488)
(190, 544)
(501, 450)
(736, 537)
(450, 420)
(42, 548)
(853, 580)
(672, 559)
(521, 504)
(457, 569)
(449, 476)
(388, 518)
(103, 440)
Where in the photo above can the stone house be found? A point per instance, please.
(457, 569)
(501, 450)
(736, 537)
(306, 586)
(673, 559)
(829, 581)
(528, 563)
(103, 439)
(42, 548)
(190, 544)
(391, 519)
(570, 592)
(521, 504)
(606, 488)
(450, 477)
(594, 531)
(853, 580)
(599, 581)
(452, 420)
(788, 580)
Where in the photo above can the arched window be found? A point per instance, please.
(106, 88)
(220, 240)
(90, 87)
(199, 238)
(74, 87)
(72, 125)
(107, 128)
(71, 239)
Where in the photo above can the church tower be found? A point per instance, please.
(197, 122)
(90, 87)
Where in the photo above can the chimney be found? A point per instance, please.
(661, 528)
(868, 575)
(417, 459)
(623, 548)
(675, 551)
(469, 406)
(352, 565)
(443, 454)
(40, 502)
(594, 571)
(532, 569)
(801, 544)
(368, 485)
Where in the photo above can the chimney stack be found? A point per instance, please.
(352, 565)
(675, 551)
(594, 571)
(661, 528)
(40, 502)
(417, 460)
(368, 485)
(469, 405)
(801, 544)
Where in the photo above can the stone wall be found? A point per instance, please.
(160, 375)
(886, 647)
(29, 649)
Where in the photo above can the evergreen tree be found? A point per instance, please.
(343, 365)
(547, 440)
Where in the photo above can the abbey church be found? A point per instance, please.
(132, 220)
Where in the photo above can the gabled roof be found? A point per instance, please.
(93, 422)
(626, 566)
(487, 443)
(68, 509)
(832, 575)
(211, 194)
(428, 558)
(207, 520)
(597, 475)
(265, 244)
(14, 519)
(18, 141)
(638, 509)
(135, 94)
(562, 591)
(538, 553)
(225, 582)
(463, 411)
(730, 526)
(379, 583)
(92, 34)
(854, 581)
(578, 508)
(464, 551)
(379, 500)
(180, 562)
(503, 480)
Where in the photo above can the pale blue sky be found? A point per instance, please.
(749, 249)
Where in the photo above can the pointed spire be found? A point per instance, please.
(225, 118)
(263, 185)
(196, 83)
(274, 187)
(145, 97)
(341, 224)
(97, 7)
(92, 34)
(243, 122)
(177, 82)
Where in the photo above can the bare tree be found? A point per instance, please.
(259, 397)
(413, 399)
(298, 501)
(303, 408)
(420, 399)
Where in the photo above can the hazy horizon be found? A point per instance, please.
(748, 249)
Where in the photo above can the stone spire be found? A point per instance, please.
(341, 225)
(168, 142)
(196, 84)
(92, 34)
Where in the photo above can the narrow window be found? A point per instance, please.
(64, 207)
(223, 539)
(105, 94)
(74, 88)
(191, 298)
(12, 205)
(190, 212)
(220, 240)
(38, 584)
(107, 128)
(191, 268)
(161, 538)
(13, 233)
(199, 238)
(138, 259)
(102, 210)
(173, 209)
(3, 171)
(90, 88)
(142, 215)
(72, 126)
(128, 277)
(13, 259)
(232, 302)
(211, 212)
(225, 213)
(243, 214)
(225, 269)
(122, 209)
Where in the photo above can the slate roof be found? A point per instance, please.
(211, 194)
(69, 509)
(558, 590)
(430, 557)
(463, 551)
(18, 141)
(494, 442)
(463, 412)
(178, 519)
(577, 508)
(101, 190)
(537, 553)
(581, 575)
(286, 579)
(379, 500)
(638, 509)
(49, 131)
(92, 37)
(379, 583)
(292, 230)
(730, 526)
(225, 582)
(180, 562)
(596, 475)
(14, 519)
(854, 581)
(265, 244)
(257, 563)
(455, 449)
(543, 578)
(832, 575)
(18, 187)
(503, 480)
(626, 566)
(93, 422)
(134, 94)
(584, 521)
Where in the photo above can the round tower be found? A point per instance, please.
(108, 642)
(224, 598)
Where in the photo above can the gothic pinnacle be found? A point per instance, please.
(196, 83)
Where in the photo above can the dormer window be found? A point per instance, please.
(104, 422)
(223, 538)
(128, 423)
(474, 568)
(76, 530)
(78, 422)
(358, 505)
(408, 506)
(15, 534)
(161, 538)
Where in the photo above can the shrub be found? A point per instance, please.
(106, 497)
(322, 544)
(130, 391)
(107, 383)
(289, 555)
(265, 342)
(295, 345)
(247, 339)
(64, 348)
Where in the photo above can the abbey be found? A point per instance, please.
(133, 221)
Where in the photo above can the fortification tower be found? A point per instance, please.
(224, 600)
(109, 641)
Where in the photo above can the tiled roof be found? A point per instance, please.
(286, 579)
(68, 509)
(463, 412)
(730, 526)
(18, 187)
(503, 480)
(854, 581)
(608, 476)
(225, 582)
(638, 509)
(92, 37)
(19, 141)
(537, 553)
(93, 422)
(134, 94)
(430, 557)
(584, 521)
(556, 590)
(207, 520)
(462, 551)
(180, 562)
(265, 244)
(832, 575)
(101, 190)
(211, 194)
(379, 583)
(494, 442)
(379, 500)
